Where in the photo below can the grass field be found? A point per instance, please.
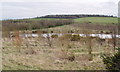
(44, 19)
(92, 20)
(96, 20)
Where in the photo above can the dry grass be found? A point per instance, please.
(36, 54)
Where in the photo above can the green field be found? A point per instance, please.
(45, 19)
(95, 20)
(91, 20)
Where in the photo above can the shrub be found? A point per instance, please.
(75, 38)
(54, 36)
(112, 62)
(70, 37)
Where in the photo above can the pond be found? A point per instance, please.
(60, 34)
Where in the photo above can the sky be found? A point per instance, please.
(17, 9)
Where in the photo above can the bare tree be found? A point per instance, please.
(90, 48)
(89, 44)
(114, 39)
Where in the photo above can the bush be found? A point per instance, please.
(112, 62)
(75, 38)
(54, 36)
(70, 37)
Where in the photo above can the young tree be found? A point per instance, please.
(112, 62)
(114, 39)
(90, 48)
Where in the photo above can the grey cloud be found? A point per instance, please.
(32, 9)
(109, 7)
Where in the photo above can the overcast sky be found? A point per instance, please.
(12, 9)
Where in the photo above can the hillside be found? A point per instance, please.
(37, 23)
(94, 20)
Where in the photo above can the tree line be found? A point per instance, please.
(73, 16)
(33, 24)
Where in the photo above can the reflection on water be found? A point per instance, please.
(60, 34)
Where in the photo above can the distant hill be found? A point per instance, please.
(73, 16)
